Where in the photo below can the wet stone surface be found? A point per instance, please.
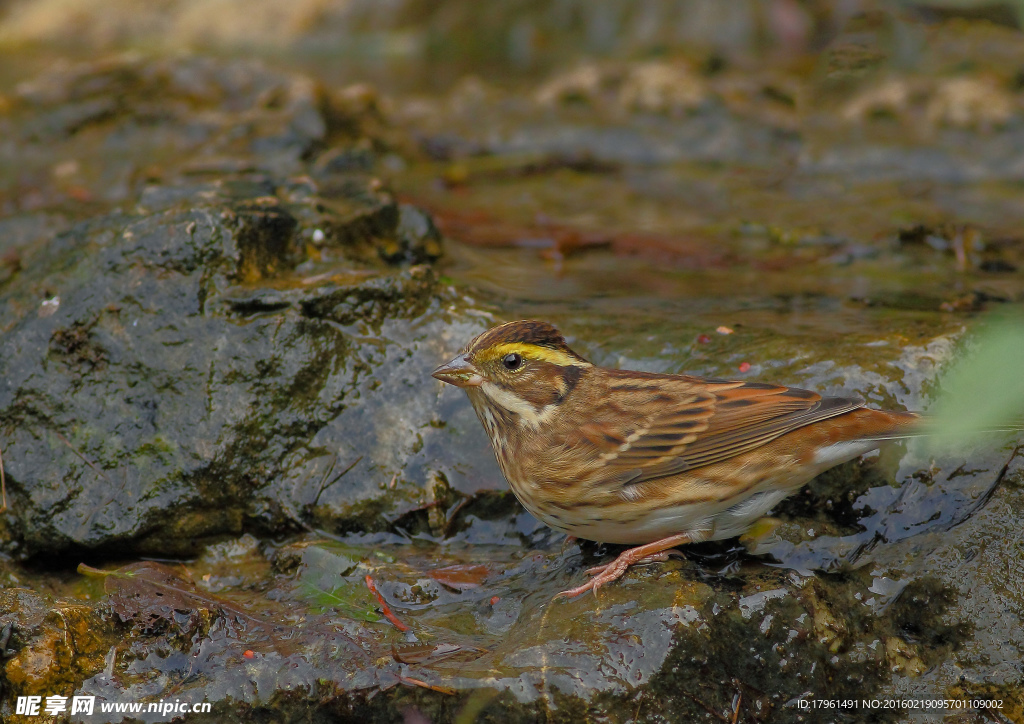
(223, 287)
(228, 354)
(484, 635)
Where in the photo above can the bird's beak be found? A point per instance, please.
(459, 372)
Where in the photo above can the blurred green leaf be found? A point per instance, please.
(985, 390)
(324, 580)
(351, 599)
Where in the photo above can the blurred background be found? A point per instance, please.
(787, 156)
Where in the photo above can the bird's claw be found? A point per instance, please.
(601, 575)
(652, 558)
(614, 571)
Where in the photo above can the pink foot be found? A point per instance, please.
(649, 553)
(653, 558)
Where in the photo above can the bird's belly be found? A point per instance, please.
(638, 530)
(629, 525)
(625, 526)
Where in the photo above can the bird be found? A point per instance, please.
(649, 460)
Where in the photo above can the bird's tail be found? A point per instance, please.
(916, 424)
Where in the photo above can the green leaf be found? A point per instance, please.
(351, 599)
(984, 392)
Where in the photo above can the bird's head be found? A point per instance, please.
(521, 367)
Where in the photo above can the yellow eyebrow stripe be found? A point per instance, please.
(533, 351)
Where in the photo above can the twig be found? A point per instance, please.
(86, 460)
(706, 708)
(425, 685)
(324, 486)
(111, 499)
(3, 484)
(736, 707)
(385, 609)
(327, 474)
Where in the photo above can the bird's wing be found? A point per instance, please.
(649, 426)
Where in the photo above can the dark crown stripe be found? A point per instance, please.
(524, 331)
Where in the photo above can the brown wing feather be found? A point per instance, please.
(650, 426)
(754, 414)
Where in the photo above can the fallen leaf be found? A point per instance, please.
(461, 577)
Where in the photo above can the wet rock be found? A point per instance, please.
(250, 350)
(979, 103)
(663, 88)
(891, 97)
(417, 238)
(51, 646)
(483, 633)
(653, 87)
(157, 399)
(118, 125)
(971, 102)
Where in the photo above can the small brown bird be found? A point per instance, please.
(644, 459)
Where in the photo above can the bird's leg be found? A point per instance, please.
(652, 558)
(649, 552)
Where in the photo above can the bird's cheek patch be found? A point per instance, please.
(546, 386)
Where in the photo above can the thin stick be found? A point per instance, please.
(385, 609)
(86, 460)
(706, 708)
(324, 487)
(3, 484)
(736, 707)
(425, 685)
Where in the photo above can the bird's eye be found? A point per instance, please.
(512, 361)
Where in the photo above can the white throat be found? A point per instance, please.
(529, 416)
